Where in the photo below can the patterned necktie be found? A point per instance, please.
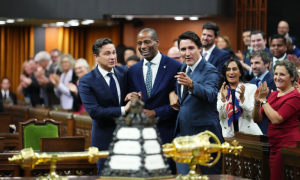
(149, 79)
(204, 55)
(113, 87)
(185, 88)
(257, 82)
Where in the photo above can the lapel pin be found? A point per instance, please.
(164, 66)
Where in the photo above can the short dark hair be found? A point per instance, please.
(247, 30)
(265, 56)
(290, 67)
(131, 48)
(278, 36)
(212, 26)
(224, 70)
(133, 58)
(258, 32)
(57, 50)
(191, 36)
(151, 31)
(99, 43)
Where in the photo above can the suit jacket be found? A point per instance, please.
(218, 57)
(12, 96)
(272, 70)
(245, 121)
(159, 99)
(1, 107)
(33, 90)
(263, 125)
(198, 110)
(294, 39)
(296, 52)
(101, 104)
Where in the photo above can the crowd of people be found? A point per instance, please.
(201, 84)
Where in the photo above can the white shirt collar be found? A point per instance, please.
(210, 50)
(5, 92)
(104, 72)
(155, 60)
(280, 59)
(193, 67)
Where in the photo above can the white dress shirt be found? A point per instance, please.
(193, 67)
(280, 59)
(62, 91)
(208, 52)
(107, 79)
(5, 92)
(154, 67)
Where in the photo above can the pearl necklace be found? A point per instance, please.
(284, 93)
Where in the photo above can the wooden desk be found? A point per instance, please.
(11, 141)
(83, 127)
(68, 123)
(5, 122)
(62, 144)
(291, 162)
(211, 177)
(7, 169)
(19, 113)
(253, 162)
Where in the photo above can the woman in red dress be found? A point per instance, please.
(282, 109)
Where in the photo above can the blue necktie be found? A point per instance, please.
(257, 82)
(185, 88)
(113, 87)
(149, 79)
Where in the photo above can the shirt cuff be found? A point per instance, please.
(250, 71)
(123, 112)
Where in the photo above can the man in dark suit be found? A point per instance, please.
(246, 38)
(197, 92)
(154, 77)
(260, 62)
(102, 92)
(278, 49)
(258, 42)
(291, 48)
(210, 52)
(6, 94)
(283, 29)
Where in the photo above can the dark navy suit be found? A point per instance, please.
(296, 52)
(294, 39)
(271, 85)
(198, 111)
(102, 106)
(218, 57)
(159, 99)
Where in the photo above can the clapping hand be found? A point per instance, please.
(224, 90)
(54, 78)
(263, 92)
(297, 86)
(242, 92)
(293, 59)
(73, 88)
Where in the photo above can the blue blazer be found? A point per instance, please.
(159, 99)
(218, 57)
(198, 111)
(296, 52)
(294, 39)
(101, 105)
(271, 85)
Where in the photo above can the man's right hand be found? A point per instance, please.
(133, 95)
(174, 101)
(240, 55)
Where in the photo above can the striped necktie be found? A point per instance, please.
(149, 79)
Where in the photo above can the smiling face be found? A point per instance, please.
(278, 48)
(258, 66)
(282, 78)
(65, 64)
(147, 45)
(246, 38)
(107, 57)
(80, 69)
(233, 74)
(189, 51)
(208, 38)
(258, 42)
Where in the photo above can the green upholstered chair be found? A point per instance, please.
(32, 130)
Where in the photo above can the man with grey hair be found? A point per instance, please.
(43, 60)
(55, 54)
(291, 48)
(260, 62)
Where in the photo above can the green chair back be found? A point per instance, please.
(32, 134)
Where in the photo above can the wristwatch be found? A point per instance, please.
(264, 102)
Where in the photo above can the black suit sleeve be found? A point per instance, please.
(1, 107)
(13, 97)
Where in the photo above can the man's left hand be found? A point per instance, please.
(149, 113)
(184, 79)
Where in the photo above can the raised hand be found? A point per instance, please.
(73, 88)
(184, 79)
(240, 55)
(263, 91)
(242, 92)
(224, 90)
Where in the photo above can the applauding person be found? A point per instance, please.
(235, 101)
(282, 109)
